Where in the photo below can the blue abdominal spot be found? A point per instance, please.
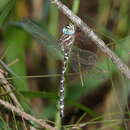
(68, 31)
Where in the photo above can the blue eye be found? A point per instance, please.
(68, 31)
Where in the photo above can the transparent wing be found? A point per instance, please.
(82, 58)
(41, 35)
(84, 62)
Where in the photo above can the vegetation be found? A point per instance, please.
(30, 69)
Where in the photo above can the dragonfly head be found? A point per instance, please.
(69, 29)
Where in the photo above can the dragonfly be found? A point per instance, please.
(65, 49)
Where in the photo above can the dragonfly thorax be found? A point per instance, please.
(67, 39)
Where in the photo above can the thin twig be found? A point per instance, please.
(8, 88)
(89, 32)
(26, 116)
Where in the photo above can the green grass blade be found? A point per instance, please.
(5, 8)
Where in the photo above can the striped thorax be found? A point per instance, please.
(67, 38)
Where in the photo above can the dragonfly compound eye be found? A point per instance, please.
(69, 30)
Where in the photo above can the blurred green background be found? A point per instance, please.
(34, 70)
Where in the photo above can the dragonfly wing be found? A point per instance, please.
(41, 35)
(82, 58)
(84, 62)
